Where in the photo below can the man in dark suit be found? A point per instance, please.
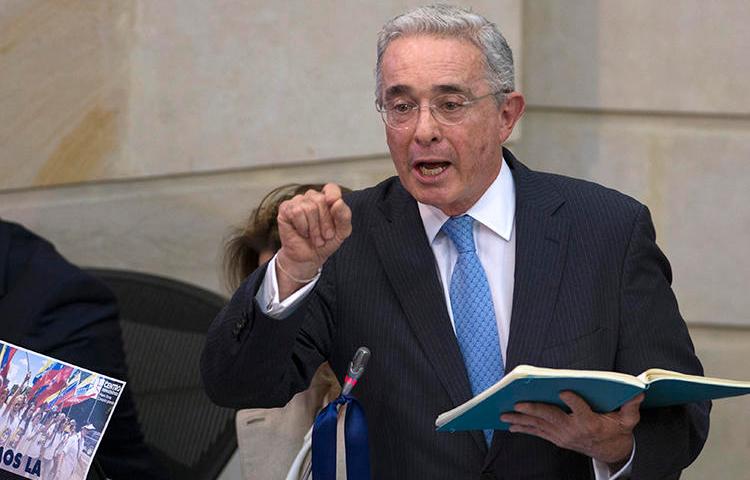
(52, 307)
(561, 273)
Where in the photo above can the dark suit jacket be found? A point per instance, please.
(592, 291)
(49, 306)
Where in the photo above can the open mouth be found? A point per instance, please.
(432, 169)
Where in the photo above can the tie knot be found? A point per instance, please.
(460, 231)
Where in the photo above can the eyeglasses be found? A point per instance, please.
(447, 109)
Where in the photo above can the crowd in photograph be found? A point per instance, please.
(40, 437)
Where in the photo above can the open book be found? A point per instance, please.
(604, 392)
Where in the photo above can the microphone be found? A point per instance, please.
(356, 369)
(353, 374)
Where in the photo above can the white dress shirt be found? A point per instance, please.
(494, 226)
(494, 215)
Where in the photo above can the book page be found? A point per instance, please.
(655, 374)
(530, 371)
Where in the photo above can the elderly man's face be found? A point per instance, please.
(449, 167)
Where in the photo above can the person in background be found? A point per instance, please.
(54, 437)
(269, 439)
(30, 432)
(11, 413)
(3, 392)
(50, 306)
(70, 451)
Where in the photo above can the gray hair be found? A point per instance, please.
(453, 22)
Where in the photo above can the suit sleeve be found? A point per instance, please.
(654, 335)
(251, 360)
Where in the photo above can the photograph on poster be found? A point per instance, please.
(52, 414)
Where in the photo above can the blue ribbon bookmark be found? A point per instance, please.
(355, 441)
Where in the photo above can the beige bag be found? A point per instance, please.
(269, 439)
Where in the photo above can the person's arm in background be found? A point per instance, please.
(63, 312)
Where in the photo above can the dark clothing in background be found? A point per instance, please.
(52, 307)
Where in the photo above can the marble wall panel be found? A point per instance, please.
(723, 352)
(170, 226)
(98, 90)
(691, 172)
(63, 90)
(671, 55)
(259, 83)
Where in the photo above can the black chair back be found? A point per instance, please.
(164, 323)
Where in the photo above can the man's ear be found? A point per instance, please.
(511, 112)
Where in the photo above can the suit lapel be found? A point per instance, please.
(541, 249)
(409, 263)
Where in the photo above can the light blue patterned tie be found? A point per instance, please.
(473, 311)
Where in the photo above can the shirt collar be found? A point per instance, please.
(495, 209)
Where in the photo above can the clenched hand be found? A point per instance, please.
(311, 227)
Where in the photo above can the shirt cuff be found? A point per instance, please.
(268, 294)
(602, 472)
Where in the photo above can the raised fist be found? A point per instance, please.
(311, 227)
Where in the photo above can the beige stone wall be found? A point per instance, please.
(172, 226)
(135, 132)
(63, 90)
(651, 98)
(121, 89)
(132, 109)
(724, 352)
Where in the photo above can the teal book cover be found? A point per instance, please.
(603, 391)
(602, 395)
(676, 391)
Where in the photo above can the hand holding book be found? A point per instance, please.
(607, 437)
(576, 409)
(602, 391)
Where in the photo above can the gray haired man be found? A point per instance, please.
(462, 267)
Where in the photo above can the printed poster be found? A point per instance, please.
(52, 414)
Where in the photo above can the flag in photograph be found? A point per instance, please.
(56, 384)
(42, 379)
(65, 392)
(5, 357)
(86, 389)
(50, 383)
(44, 369)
